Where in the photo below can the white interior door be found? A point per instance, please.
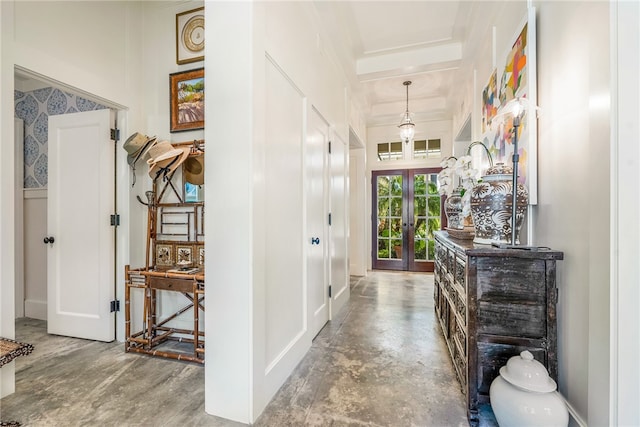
(80, 263)
(317, 218)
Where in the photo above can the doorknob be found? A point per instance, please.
(315, 240)
(49, 240)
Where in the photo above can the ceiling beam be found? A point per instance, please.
(409, 61)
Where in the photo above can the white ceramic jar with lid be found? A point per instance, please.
(524, 395)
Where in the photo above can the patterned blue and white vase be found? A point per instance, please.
(491, 201)
(453, 210)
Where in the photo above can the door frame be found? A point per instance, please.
(406, 263)
(121, 179)
(18, 136)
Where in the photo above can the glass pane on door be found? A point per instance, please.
(426, 215)
(389, 217)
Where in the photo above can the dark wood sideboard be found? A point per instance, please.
(492, 304)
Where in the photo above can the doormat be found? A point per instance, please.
(10, 349)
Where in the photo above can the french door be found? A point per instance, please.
(407, 209)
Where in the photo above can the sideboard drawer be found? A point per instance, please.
(167, 284)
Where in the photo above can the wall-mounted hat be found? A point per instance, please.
(193, 169)
(164, 158)
(138, 145)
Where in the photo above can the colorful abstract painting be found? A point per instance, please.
(489, 101)
(516, 76)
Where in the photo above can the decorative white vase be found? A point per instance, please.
(523, 395)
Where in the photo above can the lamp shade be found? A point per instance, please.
(407, 128)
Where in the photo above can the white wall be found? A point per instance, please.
(35, 263)
(358, 249)
(625, 207)
(256, 115)
(574, 130)
(7, 197)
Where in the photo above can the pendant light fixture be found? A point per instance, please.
(407, 127)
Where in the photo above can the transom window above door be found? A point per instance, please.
(419, 149)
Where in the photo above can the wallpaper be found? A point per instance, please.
(34, 108)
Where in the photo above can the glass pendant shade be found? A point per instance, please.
(407, 128)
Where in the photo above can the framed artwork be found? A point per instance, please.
(515, 77)
(186, 93)
(489, 98)
(164, 255)
(190, 36)
(201, 255)
(184, 255)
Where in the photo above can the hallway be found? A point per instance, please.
(380, 362)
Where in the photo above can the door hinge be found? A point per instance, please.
(329, 291)
(115, 135)
(329, 218)
(329, 147)
(115, 220)
(114, 306)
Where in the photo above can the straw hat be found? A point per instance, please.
(194, 169)
(138, 145)
(164, 159)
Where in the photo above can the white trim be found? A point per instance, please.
(624, 371)
(123, 208)
(35, 309)
(613, 225)
(572, 412)
(24, 72)
(18, 134)
(35, 193)
(285, 351)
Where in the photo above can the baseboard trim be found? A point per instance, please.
(35, 309)
(572, 412)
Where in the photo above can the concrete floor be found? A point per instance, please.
(380, 362)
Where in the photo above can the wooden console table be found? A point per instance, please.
(155, 331)
(492, 304)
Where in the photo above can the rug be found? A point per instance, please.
(10, 349)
